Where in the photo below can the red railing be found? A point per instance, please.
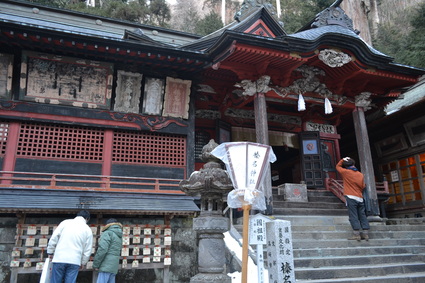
(337, 188)
(53, 181)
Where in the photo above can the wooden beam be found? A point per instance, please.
(262, 134)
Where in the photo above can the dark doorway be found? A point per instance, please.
(286, 169)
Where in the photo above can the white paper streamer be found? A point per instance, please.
(301, 103)
(328, 106)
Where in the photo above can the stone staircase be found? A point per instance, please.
(320, 202)
(322, 253)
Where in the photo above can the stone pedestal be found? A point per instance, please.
(212, 249)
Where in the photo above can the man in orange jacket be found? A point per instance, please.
(353, 191)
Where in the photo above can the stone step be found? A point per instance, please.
(418, 277)
(373, 234)
(308, 205)
(343, 243)
(320, 193)
(325, 220)
(406, 221)
(328, 199)
(311, 199)
(358, 251)
(313, 219)
(339, 261)
(347, 227)
(367, 270)
(335, 222)
(309, 211)
(310, 193)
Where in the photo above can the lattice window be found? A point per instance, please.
(60, 142)
(201, 139)
(149, 148)
(4, 129)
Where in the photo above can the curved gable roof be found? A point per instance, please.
(331, 28)
(255, 20)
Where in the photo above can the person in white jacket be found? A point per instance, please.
(70, 247)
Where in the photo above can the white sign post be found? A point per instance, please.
(258, 236)
(280, 255)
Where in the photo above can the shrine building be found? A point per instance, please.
(109, 116)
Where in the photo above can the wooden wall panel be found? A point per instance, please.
(52, 166)
(64, 80)
(148, 171)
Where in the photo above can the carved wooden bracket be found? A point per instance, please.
(259, 86)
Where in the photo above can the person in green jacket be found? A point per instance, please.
(107, 257)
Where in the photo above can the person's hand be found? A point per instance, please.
(50, 256)
(96, 269)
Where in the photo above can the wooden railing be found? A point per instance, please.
(13, 179)
(336, 187)
(382, 187)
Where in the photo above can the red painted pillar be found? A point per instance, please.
(107, 156)
(11, 146)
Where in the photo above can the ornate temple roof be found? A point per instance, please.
(328, 52)
(332, 27)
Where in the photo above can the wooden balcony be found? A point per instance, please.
(26, 192)
(93, 183)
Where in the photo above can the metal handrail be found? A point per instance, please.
(37, 180)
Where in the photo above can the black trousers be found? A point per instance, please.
(357, 214)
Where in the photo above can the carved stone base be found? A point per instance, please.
(210, 278)
(211, 224)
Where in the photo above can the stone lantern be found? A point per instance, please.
(211, 184)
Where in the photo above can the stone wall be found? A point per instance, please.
(183, 248)
(7, 241)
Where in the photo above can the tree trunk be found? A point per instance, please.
(358, 11)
